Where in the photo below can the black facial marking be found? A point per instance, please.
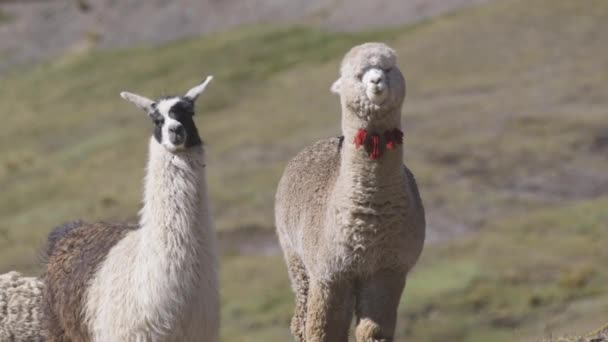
(183, 112)
(158, 120)
(158, 133)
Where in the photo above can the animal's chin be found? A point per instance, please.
(377, 94)
(369, 109)
(376, 98)
(173, 148)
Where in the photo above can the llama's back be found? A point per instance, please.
(303, 191)
(20, 308)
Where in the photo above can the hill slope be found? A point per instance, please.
(52, 27)
(505, 127)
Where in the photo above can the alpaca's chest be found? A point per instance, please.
(369, 235)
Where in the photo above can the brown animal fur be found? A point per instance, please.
(75, 251)
(351, 228)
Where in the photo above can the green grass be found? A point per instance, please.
(4, 17)
(529, 272)
(504, 121)
(521, 279)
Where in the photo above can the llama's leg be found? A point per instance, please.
(330, 310)
(299, 282)
(376, 309)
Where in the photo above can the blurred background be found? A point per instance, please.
(506, 129)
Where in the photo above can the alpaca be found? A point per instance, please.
(20, 308)
(155, 281)
(349, 216)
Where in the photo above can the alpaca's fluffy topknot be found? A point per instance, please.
(371, 86)
(368, 55)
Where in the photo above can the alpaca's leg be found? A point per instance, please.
(299, 282)
(330, 310)
(376, 309)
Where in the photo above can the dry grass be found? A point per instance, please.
(600, 335)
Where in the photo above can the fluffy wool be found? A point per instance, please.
(20, 308)
(351, 228)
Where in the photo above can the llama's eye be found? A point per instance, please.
(387, 70)
(159, 122)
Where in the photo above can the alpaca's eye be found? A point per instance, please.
(159, 121)
(387, 70)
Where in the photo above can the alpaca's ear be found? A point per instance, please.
(141, 102)
(193, 93)
(337, 86)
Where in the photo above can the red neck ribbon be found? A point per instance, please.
(372, 142)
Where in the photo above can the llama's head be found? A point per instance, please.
(173, 117)
(370, 84)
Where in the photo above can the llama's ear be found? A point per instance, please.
(193, 93)
(141, 102)
(337, 86)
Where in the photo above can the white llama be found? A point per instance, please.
(156, 281)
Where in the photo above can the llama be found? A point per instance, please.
(349, 216)
(155, 281)
(20, 307)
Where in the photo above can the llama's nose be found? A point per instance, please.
(177, 130)
(177, 134)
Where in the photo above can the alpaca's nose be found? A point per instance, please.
(376, 85)
(375, 79)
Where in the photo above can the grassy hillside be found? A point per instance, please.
(506, 129)
(522, 279)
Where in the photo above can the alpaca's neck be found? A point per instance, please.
(358, 172)
(175, 217)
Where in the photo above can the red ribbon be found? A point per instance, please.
(371, 142)
(375, 147)
(361, 138)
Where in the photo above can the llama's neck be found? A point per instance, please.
(175, 217)
(359, 173)
(165, 272)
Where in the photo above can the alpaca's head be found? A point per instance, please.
(370, 84)
(173, 117)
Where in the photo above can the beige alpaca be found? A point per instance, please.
(20, 308)
(348, 213)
